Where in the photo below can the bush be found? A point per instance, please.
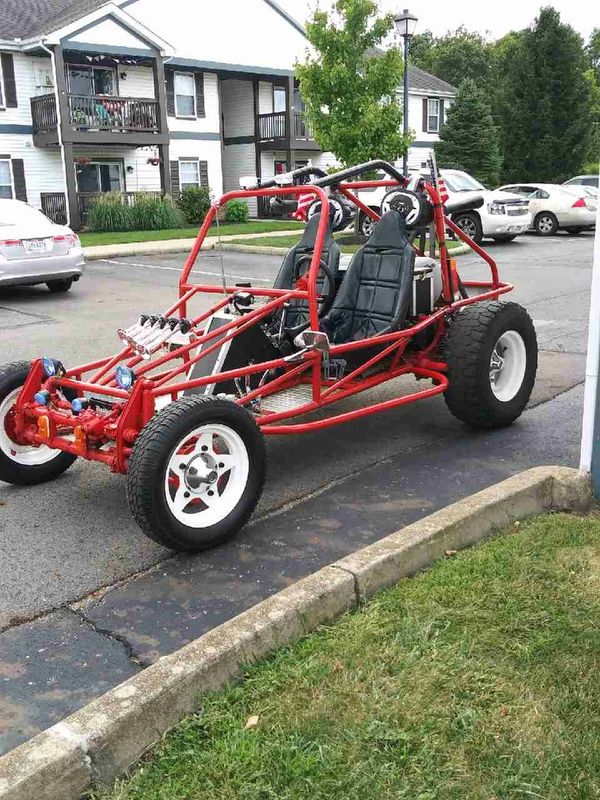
(149, 212)
(153, 213)
(194, 203)
(593, 168)
(107, 213)
(237, 211)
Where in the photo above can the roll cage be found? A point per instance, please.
(107, 429)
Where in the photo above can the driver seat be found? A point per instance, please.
(295, 265)
(374, 297)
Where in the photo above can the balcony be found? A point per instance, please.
(272, 130)
(96, 119)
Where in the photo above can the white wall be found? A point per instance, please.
(238, 160)
(209, 151)
(138, 83)
(43, 167)
(208, 123)
(265, 97)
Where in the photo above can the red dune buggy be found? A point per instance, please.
(183, 408)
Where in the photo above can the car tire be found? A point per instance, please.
(505, 237)
(470, 224)
(61, 285)
(366, 225)
(196, 473)
(545, 224)
(491, 352)
(24, 465)
(574, 231)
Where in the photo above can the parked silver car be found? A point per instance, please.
(583, 180)
(33, 249)
(554, 206)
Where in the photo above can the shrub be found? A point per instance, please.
(593, 168)
(194, 203)
(107, 213)
(153, 213)
(237, 211)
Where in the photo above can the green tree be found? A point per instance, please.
(349, 86)
(454, 57)
(543, 106)
(469, 139)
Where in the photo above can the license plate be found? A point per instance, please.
(36, 245)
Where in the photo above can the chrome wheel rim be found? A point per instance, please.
(545, 224)
(25, 455)
(206, 475)
(468, 226)
(508, 364)
(368, 226)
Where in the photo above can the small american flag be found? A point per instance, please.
(436, 178)
(304, 202)
(442, 191)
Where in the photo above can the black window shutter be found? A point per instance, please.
(170, 82)
(425, 115)
(203, 172)
(175, 180)
(199, 77)
(10, 87)
(18, 168)
(442, 118)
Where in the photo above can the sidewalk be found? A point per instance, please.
(168, 246)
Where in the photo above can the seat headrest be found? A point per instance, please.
(389, 232)
(309, 237)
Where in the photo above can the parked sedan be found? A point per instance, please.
(553, 206)
(33, 249)
(583, 180)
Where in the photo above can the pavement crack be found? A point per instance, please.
(115, 637)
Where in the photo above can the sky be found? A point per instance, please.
(497, 18)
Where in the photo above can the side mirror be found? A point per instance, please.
(248, 181)
(313, 340)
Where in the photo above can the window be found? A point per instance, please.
(99, 176)
(6, 187)
(1, 86)
(279, 99)
(185, 94)
(89, 81)
(189, 173)
(433, 115)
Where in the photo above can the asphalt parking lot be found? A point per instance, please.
(86, 600)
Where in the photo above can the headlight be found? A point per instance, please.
(125, 377)
(496, 208)
(52, 367)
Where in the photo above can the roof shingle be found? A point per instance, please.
(421, 81)
(24, 19)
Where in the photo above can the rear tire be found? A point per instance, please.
(196, 473)
(24, 465)
(58, 286)
(470, 224)
(574, 231)
(545, 224)
(491, 352)
(505, 237)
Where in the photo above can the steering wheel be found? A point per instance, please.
(326, 301)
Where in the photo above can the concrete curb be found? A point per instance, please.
(275, 251)
(103, 739)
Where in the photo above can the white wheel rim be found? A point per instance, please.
(27, 456)
(507, 366)
(545, 224)
(206, 475)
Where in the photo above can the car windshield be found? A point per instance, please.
(458, 182)
(14, 213)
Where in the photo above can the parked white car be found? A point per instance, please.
(33, 249)
(501, 217)
(556, 206)
(584, 180)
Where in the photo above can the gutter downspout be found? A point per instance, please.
(59, 128)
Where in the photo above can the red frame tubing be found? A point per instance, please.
(132, 410)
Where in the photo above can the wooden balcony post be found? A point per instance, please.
(73, 205)
(290, 153)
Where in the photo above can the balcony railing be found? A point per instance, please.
(54, 206)
(274, 126)
(98, 112)
(43, 113)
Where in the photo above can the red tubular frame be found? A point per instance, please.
(108, 436)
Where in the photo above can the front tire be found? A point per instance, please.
(470, 224)
(24, 465)
(196, 473)
(366, 225)
(491, 352)
(59, 286)
(505, 237)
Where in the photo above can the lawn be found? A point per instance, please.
(477, 680)
(126, 237)
(289, 241)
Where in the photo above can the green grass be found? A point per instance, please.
(477, 680)
(285, 242)
(126, 237)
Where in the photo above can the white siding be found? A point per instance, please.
(108, 31)
(208, 123)
(209, 151)
(43, 167)
(138, 83)
(265, 97)
(238, 160)
(238, 108)
(26, 88)
(144, 178)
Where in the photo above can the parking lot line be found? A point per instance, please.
(178, 269)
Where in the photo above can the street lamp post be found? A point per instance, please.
(405, 25)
